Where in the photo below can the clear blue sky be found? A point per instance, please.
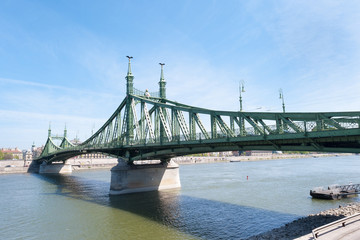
(64, 61)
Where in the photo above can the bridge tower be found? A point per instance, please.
(127, 177)
(46, 168)
(129, 114)
(162, 91)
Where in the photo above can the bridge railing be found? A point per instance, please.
(142, 93)
(298, 127)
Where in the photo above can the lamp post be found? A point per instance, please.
(242, 123)
(241, 89)
(281, 96)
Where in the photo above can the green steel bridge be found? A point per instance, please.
(150, 126)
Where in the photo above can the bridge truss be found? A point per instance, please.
(149, 126)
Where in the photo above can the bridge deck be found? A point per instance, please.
(147, 125)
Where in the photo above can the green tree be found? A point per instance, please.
(8, 156)
(1, 155)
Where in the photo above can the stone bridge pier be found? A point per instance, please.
(127, 178)
(55, 168)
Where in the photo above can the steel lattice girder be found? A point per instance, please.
(157, 133)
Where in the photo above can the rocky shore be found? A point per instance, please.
(305, 225)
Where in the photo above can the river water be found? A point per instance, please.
(216, 201)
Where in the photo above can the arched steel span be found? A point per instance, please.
(149, 126)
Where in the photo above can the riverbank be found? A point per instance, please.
(78, 164)
(305, 225)
(193, 160)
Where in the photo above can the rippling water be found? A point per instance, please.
(216, 201)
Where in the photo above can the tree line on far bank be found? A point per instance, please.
(7, 156)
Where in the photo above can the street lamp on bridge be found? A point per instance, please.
(282, 98)
(241, 89)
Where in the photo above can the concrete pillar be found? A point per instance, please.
(34, 167)
(55, 168)
(143, 178)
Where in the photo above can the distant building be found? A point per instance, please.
(235, 153)
(15, 152)
(225, 154)
(27, 155)
(258, 153)
(36, 151)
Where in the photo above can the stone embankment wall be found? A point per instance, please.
(21, 166)
(305, 225)
(14, 166)
(92, 163)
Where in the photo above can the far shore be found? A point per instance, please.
(79, 164)
(202, 159)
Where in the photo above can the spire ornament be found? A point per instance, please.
(49, 131)
(162, 82)
(65, 131)
(129, 73)
(129, 79)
